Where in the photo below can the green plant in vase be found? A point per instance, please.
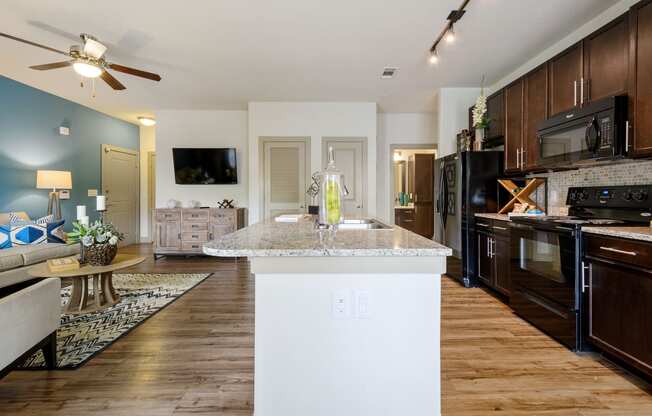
(99, 242)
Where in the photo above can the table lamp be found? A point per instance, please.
(54, 179)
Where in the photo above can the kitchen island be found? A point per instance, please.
(347, 322)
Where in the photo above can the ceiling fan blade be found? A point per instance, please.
(38, 45)
(53, 65)
(113, 83)
(136, 72)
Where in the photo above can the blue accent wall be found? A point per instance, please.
(30, 140)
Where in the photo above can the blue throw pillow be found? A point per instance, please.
(27, 234)
(55, 232)
(5, 236)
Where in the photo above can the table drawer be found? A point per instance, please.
(191, 247)
(195, 215)
(168, 215)
(225, 217)
(199, 236)
(621, 250)
(192, 227)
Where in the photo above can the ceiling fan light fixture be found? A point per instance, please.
(147, 121)
(87, 70)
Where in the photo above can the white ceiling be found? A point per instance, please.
(219, 54)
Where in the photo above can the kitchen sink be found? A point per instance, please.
(362, 224)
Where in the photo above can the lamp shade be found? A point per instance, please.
(53, 179)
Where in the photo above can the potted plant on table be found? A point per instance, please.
(480, 119)
(99, 242)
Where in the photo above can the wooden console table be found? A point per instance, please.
(183, 231)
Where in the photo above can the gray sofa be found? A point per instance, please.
(30, 309)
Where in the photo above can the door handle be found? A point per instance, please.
(584, 268)
(615, 250)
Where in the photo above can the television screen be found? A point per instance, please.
(205, 166)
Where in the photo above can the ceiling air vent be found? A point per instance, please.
(388, 72)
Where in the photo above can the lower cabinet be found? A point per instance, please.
(405, 218)
(493, 244)
(618, 281)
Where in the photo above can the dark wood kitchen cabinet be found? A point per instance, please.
(493, 242)
(640, 80)
(565, 78)
(496, 115)
(606, 61)
(618, 280)
(424, 189)
(513, 126)
(404, 217)
(535, 111)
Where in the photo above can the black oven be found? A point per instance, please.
(543, 273)
(596, 131)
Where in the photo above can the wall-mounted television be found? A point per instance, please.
(208, 166)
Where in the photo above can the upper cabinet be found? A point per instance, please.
(640, 131)
(565, 79)
(535, 111)
(514, 126)
(606, 61)
(496, 115)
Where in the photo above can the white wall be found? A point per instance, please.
(453, 106)
(398, 129)
(602, 19)
(187, 128)
(147, 144)
(316, 121)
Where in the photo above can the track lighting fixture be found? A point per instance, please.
(448, 33)
(434, 58)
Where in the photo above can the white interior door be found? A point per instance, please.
(151, 192)
(285, 170)
(351, 160)
(121, 185)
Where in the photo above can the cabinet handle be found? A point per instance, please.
(575, 93)
(210, 236)
(488, 247)
(500, 228)
(482, 225)
(584, 286)
(522, 158)
(627, 126)
(518, 158)
(179, 236)
(615, 250)
(582, 90)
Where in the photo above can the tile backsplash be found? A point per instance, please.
(630, 173)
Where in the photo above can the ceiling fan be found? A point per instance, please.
(88, 61)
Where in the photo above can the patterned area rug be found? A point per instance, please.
(80, 337)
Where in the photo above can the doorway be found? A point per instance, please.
(121, 186)
(412, 188)
(285, 170)
(151, 192)
(351, 159)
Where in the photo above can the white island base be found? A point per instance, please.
(347, 336)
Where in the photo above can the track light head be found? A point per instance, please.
(434, 58)
(450, 35)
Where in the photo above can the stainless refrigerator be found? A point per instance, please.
(465, 184)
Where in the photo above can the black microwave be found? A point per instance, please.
(594, 132)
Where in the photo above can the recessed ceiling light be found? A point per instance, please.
(388, 72)
(147, 121)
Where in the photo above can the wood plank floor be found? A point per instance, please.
(196, 357)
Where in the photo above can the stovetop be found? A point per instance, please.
(600, 205)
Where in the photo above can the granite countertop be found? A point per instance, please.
(493, 216)
(632, 233)
(273, 239)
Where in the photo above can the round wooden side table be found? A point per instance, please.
(103, 295)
